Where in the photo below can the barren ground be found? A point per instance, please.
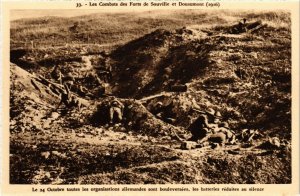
(247, 77)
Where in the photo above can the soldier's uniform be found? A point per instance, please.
(204, 124)
(220, 135)
(199, 129)
(164, 113)
(217, 138)
(68, 99)
(116, 110)
(56, 74)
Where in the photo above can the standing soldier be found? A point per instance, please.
(65, 97)
(116, 109)
(56, 74)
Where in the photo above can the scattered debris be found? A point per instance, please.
(188, 145)
(211, 85)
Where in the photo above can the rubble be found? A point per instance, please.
(188, 70)
(188, 145)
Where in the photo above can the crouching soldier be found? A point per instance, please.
(202, 125)
(116, 111)
(65, 96)
(164, 112)
(219, 136)
(230, 135)
(56, 74)
(68, 99)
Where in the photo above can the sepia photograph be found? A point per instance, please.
(173, 96)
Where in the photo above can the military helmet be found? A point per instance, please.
(159, 103)
(218, 114)
(211, 111)
(224, 124)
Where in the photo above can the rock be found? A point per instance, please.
(47, 174)
(275, 141)
(100, 131)
(61, 155)
(188, 145)
(38, 127)
(45, 154)
(143, 138)
(80, 135)
(46, 124)
(253, 55)
(36, 119)
(13, 122)
(152, 140)
(123, 129)
(54, 115)
(235, 57)
(54, 152)
(166, 138)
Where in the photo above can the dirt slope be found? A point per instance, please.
(242, 75)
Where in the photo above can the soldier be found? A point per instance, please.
(105, 76)
(202, 126)
(116, 109)
(68, 99)
(164, 113)
(240, 27)
(219, 136)
(68, 80)
(108, 68)
(56, 74)
(157, 111)
(65, 97)
(224, 128)
(93, 78)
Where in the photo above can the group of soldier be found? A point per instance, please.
(66, 96)
(69, 99)
(206, 130)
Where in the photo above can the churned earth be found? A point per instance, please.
(246, 76)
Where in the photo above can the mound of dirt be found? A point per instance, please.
(157, 60)
(30, 101)
(39, 101)
(229, 73)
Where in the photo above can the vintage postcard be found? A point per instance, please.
(150, 97)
